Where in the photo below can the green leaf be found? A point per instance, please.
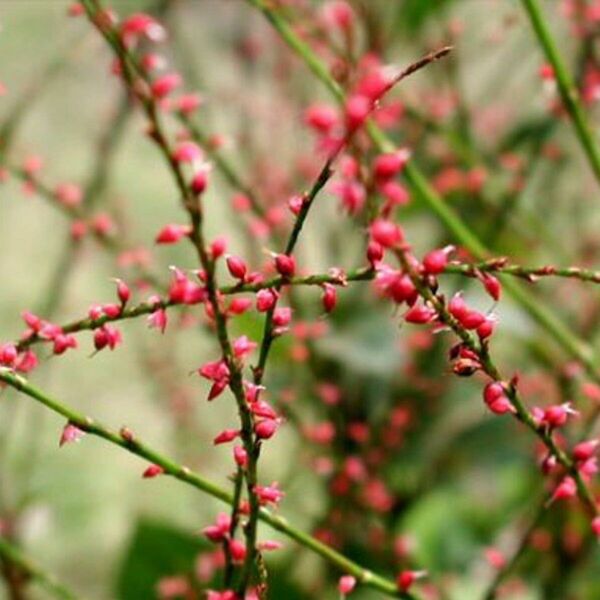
(156, 550)
(411, 15)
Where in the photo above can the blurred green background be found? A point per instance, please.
(83, 511)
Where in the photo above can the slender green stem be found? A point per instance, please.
(423, 190)
(361, 274)
(15, 556)
(89, 324)
(566, 85)
(145, 308)
(269, 332)
(530, 274)
(309, 197)
(489, 368)
(133, 79)
(130, 442)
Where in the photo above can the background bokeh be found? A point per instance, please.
(462, 478)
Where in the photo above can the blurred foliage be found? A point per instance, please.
(458, 479)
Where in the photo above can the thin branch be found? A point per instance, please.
(574, 346)
(133, 79)
(566, 85)
(130, 442)
(530, 274)
(489, 368)
(13, 555)
(499, 265)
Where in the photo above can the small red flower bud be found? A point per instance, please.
(352, 195)
(226, 436)
(107, 336)
(200, 180)
(339, 14)
(141, 24)
(8, 354)
(69, 194)
(395, 194)
(26, 362)
(285, 265)
(112, 311)
(100, 339)
(269, 494)
(458, 307)
(557, 415)
(566, 489)
(239, 306)
(346, 584)
(435, 262)
(321, 117)
(269, 545)
(237, 267)
(62, 343)
(357, 110)
(241, 203)
(389, 165)
(33, 164)
(588, 468)
(171, 234)
(465, 367)
(32, 321)
(240, 456)
(386, 233)
(472, 319)
(123, 291)
(493, 391)
(265, 429)
(218, 247)
(492, 286)
(237, 550)
(295, 204)
(187, 152)
(102, 224)
(70, 433)
(494, 395)
(329, 297)
(220, 530)
(263, 409)
(282, 316)
(188, 103)
(374, 253)
(242, 346)
(158, 320)
(546, 72)
(548, 465)
(406, 579)
(419, 314)
(165, 84)
(152, 471)
(585, 450)
(486, 329)
(265, 299)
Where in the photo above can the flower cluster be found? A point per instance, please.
(353, 441)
